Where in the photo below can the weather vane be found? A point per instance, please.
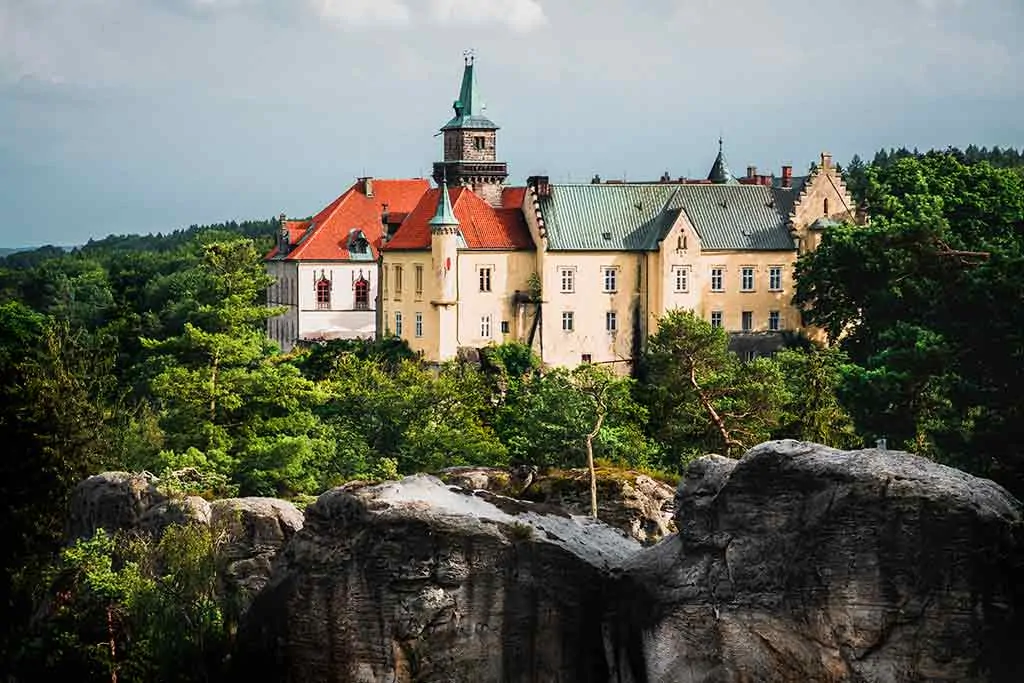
(469, 55)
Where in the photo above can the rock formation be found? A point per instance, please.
(631, 501)
(803, 563)
(255, 529)
(419, 581)
(796, 563)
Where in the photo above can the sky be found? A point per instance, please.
(137, 116)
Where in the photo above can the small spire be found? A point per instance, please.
(720, 173)
(445, 216)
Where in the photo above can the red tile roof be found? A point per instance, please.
(482, 226)
(326, 237)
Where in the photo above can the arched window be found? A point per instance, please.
(826, 207)
(362, 287)
(323, 293)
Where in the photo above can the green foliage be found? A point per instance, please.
(701, 397)
(926, 302)
(134, 608)
(812, 410)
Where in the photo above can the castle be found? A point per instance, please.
(580, 272)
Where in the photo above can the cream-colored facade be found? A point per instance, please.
(436, 324)
(600, 306)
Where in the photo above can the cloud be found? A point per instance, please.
(519, 15)
(361, 12)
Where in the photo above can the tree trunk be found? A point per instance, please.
(590, 464)
(715, 417)
(113, 646)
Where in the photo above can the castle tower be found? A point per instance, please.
(470, 144)
(444, 248)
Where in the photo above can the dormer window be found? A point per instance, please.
(358, 244)
(323, 293)
(479, 143)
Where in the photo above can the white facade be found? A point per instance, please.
(322, 300)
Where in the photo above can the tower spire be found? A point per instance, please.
(444, 217)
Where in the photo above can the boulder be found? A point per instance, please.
(800, 562)
(420, 581)
(191, 510)
(255, 530)
(111, 501)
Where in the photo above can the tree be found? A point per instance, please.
(701, 397)
(926, 302)
(812, 410)
(602, 391)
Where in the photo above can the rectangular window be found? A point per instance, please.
(716, 280)
(398, 280)
(611, 321)
(567, 321)
(419, 324)
(419, 280)
(567, 276)
(398, 323)
(611, 279)
(747, 279)
(716, 319)
(681, 275)
(485, 327)
(775, 278)
(586, 358)
(773, 321)
(479, 142)
(485, 279)
(384, 283)
(748, 321)
(504, 327)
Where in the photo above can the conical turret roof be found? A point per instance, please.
(720, 173)
(445, 216)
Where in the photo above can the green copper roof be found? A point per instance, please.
(720, 172)
(637, 217)
(469, 108)
(444, 217)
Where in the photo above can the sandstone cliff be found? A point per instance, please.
(796, 563)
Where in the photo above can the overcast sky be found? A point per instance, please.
(131, 116)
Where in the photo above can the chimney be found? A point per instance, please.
(596, 180)
(826, 161)
(282, 235)
(540, 184)
(751, 171)
(787, 176)
(367, 186)
(665, 177)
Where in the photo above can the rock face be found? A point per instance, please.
(796, 563)
(111, 501)
(419, 581)
(631, 501)
(803, 563)
(254, 529)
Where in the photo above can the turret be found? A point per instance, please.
(720, 173)
(444, 247)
